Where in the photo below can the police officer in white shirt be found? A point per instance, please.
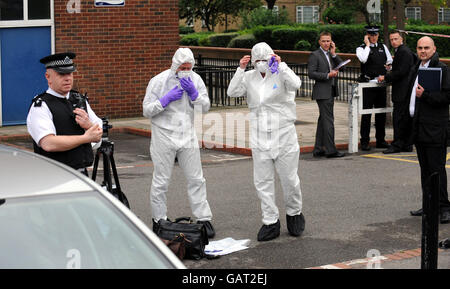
(61, 130)
(373, 57)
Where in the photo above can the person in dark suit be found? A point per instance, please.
(401, 66)
(429, 112)
(321, 64)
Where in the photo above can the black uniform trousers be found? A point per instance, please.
(432, 159)
(402, 125)
(373, 98)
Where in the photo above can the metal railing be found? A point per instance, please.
(217, 73)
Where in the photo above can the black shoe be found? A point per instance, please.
(444, 244)
(392, 150)
(318, 154)
(417, 213)
(209, 228)
(444, 217)
(407, 149)
(269, 232)
(382, 145)
(365, 147)
(336, 155)
(295, 224)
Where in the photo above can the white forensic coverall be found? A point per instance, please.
(273, 137)
(173, 135)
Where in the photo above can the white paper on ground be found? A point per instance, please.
(226, 246)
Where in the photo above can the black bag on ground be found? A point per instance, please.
(194, 233)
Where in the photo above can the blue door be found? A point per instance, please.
(22, 75)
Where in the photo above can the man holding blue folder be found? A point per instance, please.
(428, 107)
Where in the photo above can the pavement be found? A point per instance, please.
(226, 129)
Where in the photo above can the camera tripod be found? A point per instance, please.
(106, 150)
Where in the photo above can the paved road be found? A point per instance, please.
(352, 205)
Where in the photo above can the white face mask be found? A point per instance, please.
(262, 66)
(184, 74)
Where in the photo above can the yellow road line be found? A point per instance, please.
(398, 159)
(390, 158)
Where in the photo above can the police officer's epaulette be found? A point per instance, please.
(363, 45)
(37, 100)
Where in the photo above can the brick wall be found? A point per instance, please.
(118, 50)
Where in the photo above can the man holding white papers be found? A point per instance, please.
(322, 66)
(429, 112)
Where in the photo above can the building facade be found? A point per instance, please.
(119, 48)
(311, 11)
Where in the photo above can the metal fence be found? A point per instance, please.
(217, 73)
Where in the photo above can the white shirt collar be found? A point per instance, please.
(52, 92)
(426, 64)
(324, 51)
(373, 44)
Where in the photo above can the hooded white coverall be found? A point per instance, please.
(273, 137)
(173, 135)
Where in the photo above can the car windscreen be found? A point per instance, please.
(82, 230)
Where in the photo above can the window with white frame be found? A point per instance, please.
(19, 10)
(444, 15)
(413, 13)
(307, 14)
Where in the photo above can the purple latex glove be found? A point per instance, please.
(188, 85)
(175, 94)
(273, 65)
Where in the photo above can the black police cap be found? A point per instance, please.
(60, 62)
(372, 29)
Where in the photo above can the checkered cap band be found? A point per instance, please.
(60, 63)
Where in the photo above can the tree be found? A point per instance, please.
(344, 6)
(338, 12)
(213, 12)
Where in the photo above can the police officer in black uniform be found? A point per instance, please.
(60, 120)
(374, 57)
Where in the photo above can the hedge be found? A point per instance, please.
(346, 37)
(221, 39)
(286, 38)
(194, 39)
(243, 41)
(264, 34)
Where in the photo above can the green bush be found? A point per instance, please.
(263, 16)
(186, 29)
(264, 33)
(303, 45)
(286, 38)
(204, 41)
(221, 39)
(193, 39)
(417, 22)
(243, 41)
